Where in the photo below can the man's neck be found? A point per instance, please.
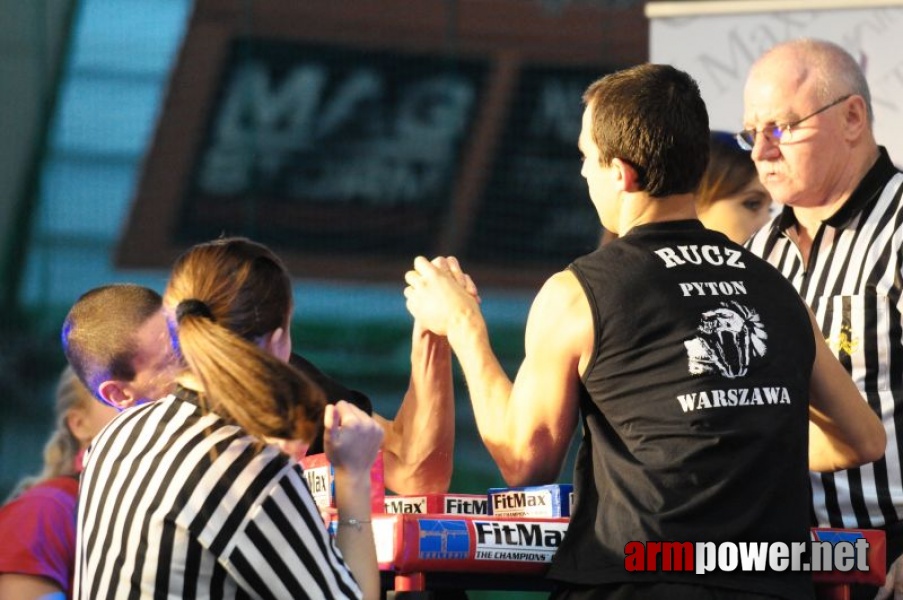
(803, 238)
(640, 209)
(810, 218)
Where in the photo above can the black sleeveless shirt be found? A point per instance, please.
(694, 408)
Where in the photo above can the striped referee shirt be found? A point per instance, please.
(175, 503)
(854, 284)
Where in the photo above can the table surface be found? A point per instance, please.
(444, 551)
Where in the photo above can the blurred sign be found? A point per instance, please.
(344, 150)
(351, 137)
(536, 207)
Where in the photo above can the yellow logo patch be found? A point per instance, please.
(845, 342)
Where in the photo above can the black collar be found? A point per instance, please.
(186, 395)
(666, 226)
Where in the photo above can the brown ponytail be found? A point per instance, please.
(222, 298)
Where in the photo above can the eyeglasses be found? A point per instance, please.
(777, 132)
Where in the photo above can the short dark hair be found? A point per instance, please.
(653, 118)
(98, 333)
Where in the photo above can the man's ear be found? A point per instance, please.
(856, 117)
(116, 394)
(625, 175)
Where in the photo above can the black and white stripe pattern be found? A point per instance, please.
(177, 504)
(854, 285)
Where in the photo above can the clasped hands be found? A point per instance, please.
(439, 292)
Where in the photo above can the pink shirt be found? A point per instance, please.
(37, 530)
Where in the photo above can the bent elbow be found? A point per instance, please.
(526, 464)
(425, 474)
(874, 443)
(526, 473)
(877, 446)
(870, 450)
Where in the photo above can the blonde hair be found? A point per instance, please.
(62, 448)
(223, 297)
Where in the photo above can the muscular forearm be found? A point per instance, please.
(828, 451)
(526, 426)
(490, 393)
(419, 444)
(822, 457)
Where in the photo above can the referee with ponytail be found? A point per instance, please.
(183, 498)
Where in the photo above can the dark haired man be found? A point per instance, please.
(116, 339)
(696, 367)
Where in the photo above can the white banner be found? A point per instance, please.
(717, 42)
